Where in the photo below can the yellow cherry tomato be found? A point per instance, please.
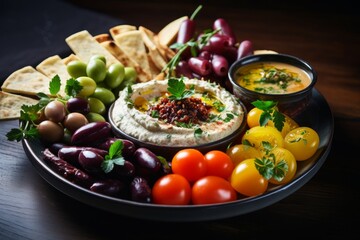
(285, 155)
(257, 135)
(253, 120)
(253, 117)
(302, 142)
(247, 180)
(240, 152)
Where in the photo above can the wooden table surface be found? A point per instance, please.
(325, 36)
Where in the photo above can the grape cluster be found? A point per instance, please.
(211, 54)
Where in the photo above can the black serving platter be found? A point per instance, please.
(317, 115)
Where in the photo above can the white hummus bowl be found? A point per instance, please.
(159, 145)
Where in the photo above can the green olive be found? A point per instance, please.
(115, 75)
(105, 95)
(88, 86)
(96, 106)
(100, 57)
(76, 68)
(130, 74)
(96, 69)
(95, 117)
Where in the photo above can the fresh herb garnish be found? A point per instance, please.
(29, 114)
(270, 113)
(72, 87)
(113, 157)
(269, 167)
(198, 133)
(178, 89)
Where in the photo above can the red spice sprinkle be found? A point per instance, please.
(187, 110)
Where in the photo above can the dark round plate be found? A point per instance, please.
(318, 116)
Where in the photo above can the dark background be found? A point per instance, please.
(33, 30)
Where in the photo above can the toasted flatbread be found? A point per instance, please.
(84, 45)
(10, 104)
(256, 52)
(102, 37)
(168, 34)
(70, 58)
(115, 50)
(27, 81)
(52, 66)
(121, 28)
(132, 43)
(155, 55)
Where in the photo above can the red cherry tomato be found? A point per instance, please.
(172, 189)
(189, 163)
(212, 189)
(219, 164)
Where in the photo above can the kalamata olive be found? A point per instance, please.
(71, 153)
(183, 69)
(91, 134)
(78, 104)
(124, 172)
(146, 162)
(90, 161)
(127, 151)
(205, 55)
(220, 65)
(245, 49)
(50, 131)
(200, 66)
(55, 111)
(55, 147)
(110, 187)
(140, 190)
(225, 29)
(73, 121)
(217, 44)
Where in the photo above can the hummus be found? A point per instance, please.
(136, 113)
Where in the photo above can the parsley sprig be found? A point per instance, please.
(268, 166)
(114, 157)
(270, 112)
(30, 114)
(178, 90)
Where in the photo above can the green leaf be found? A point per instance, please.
(113, 157)
(176, 87)
(279, 120)
(270, 113)
(280, 170)
(72, 87)
(55, 84)
(198, 132)
(116, 149)
(15, 134)
(264, 118)
(264, 105)
(178, 90)
(265, 167)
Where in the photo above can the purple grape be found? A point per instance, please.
(200, 66)
(220, 65)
